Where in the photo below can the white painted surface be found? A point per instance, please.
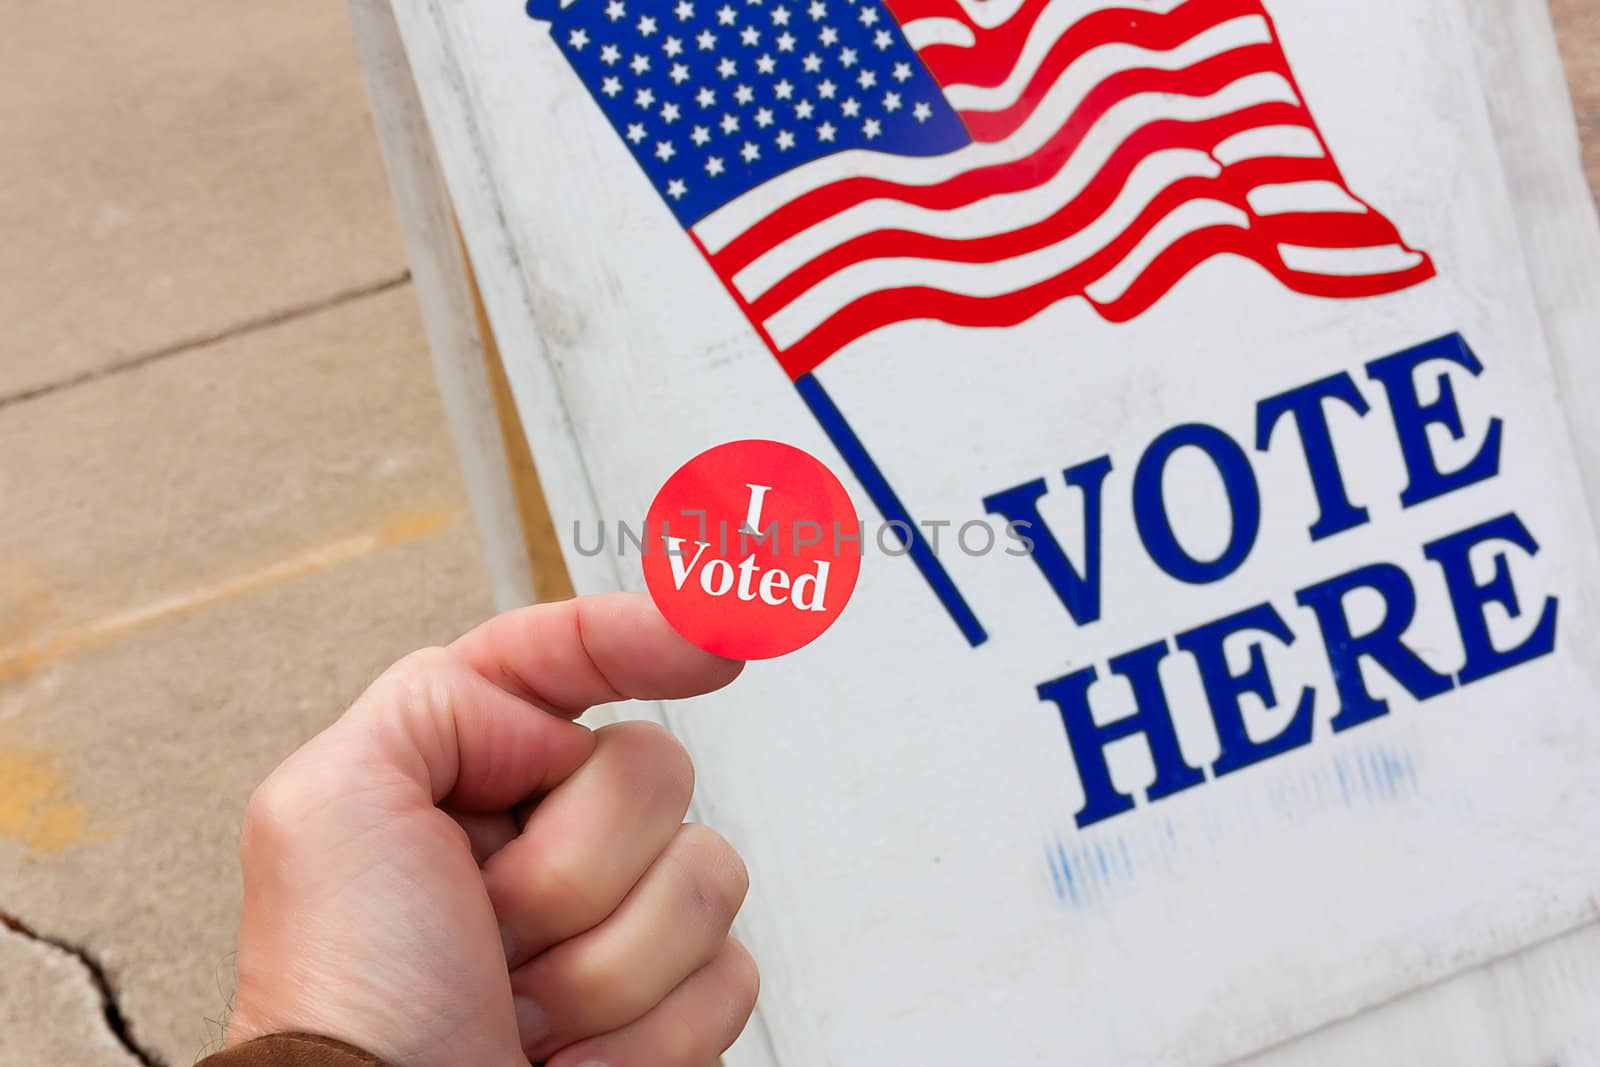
(897, 793)
(443, 287)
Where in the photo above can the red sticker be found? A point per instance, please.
(752, 549)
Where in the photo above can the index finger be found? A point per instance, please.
(570, 655)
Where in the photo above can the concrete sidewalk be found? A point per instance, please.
(229, 493)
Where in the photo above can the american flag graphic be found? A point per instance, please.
(847, 164)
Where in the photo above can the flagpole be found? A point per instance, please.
(888, 504)
(861, 464)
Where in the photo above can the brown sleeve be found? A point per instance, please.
(291, 1050)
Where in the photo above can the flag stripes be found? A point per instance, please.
(1113, 151)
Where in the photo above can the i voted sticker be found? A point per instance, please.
(753, 548)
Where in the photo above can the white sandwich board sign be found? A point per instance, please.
(1210, 374)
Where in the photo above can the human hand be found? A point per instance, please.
(395, 899)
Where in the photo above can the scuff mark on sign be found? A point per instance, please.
(1081, 875)
(1374, 775)
(1087, 871)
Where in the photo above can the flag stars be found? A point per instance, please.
(854, 91)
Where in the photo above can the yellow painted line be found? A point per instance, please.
(29, 655)
(33, 809)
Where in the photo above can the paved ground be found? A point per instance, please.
(229, 496)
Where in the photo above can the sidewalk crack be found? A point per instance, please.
(116, 1022)
(188, 344)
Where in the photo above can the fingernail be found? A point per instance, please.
(533, 1026)
(508, 943)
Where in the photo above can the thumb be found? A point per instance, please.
(435, 725)
(481, 725)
